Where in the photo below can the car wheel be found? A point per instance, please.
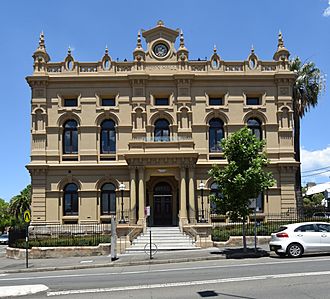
(280, 254)
(295, 250)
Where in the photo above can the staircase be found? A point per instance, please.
(165, 238)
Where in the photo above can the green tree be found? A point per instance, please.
(244, 178)
(20, 203)
(4, 215)
(306, 91)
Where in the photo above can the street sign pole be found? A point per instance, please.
(113, 238)
(27, 219)
(27, 245)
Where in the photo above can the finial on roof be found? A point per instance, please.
(181, 39)
(160, 23)
(215, 49)
(69, 50)
(106, 50)
(252, 49)
(281, 53)
(138, 43)
(280, 40)
(42, 41)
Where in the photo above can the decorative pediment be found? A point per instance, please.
(160, 42)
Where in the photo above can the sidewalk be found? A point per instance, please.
(15, 266)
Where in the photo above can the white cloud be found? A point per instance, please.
(326, 12)
(311, 160)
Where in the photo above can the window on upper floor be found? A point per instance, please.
(108, 199)
(255, 126)
(162, 130)
(161, 101)
(71, 102)
(70, 137)
(215, 101)
(252, 101)
(108, 137)
(108, 102)
(70, 200)
(216, 133)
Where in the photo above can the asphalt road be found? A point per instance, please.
(307, 277)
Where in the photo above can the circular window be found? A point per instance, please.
(160, 50)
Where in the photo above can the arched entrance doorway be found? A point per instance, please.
(163, 204)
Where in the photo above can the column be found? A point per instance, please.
(132, 196)
(192, 211)
(183, 197)
(141, 196)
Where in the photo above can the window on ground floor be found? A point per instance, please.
(70, 206)
(108, 199)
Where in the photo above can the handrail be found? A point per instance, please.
(191, 232)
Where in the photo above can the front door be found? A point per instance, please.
(162, 204)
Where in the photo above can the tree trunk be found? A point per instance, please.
(244, 234)
(296, 139)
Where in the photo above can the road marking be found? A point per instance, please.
(86, 262)
(302, 260)
(187, 283)
(22, 290)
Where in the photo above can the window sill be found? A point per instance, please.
(107, 157)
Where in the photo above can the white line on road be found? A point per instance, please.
(188, 283)
(163, 270)
(21, 290)
(86, 262)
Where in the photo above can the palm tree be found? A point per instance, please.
(306, 91)
(20, 203)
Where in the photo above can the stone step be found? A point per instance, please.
(165, 238)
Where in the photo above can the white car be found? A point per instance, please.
(4, 238)
(298, 238)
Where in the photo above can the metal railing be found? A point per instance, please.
(163, 139)
(61, 235)
(265, 224)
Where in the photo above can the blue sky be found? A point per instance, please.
(88, 26)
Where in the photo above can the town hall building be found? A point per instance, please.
(120, 136)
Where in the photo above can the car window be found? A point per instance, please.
(305, 228)
(323, 227)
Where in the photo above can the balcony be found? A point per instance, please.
(161, 144)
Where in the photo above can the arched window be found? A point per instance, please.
(70, 137)
(214, 189)
(70, 198)
(255, 126)
(108, 199)
(162, 130)
(108, 137)
(216, 133)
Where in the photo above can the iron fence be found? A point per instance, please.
(61, 235)
(203, 216)
(266, 224)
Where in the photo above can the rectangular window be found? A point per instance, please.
(215, 101)
(252, 101)
(161, 102)
(108, 102)
(70, 102)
